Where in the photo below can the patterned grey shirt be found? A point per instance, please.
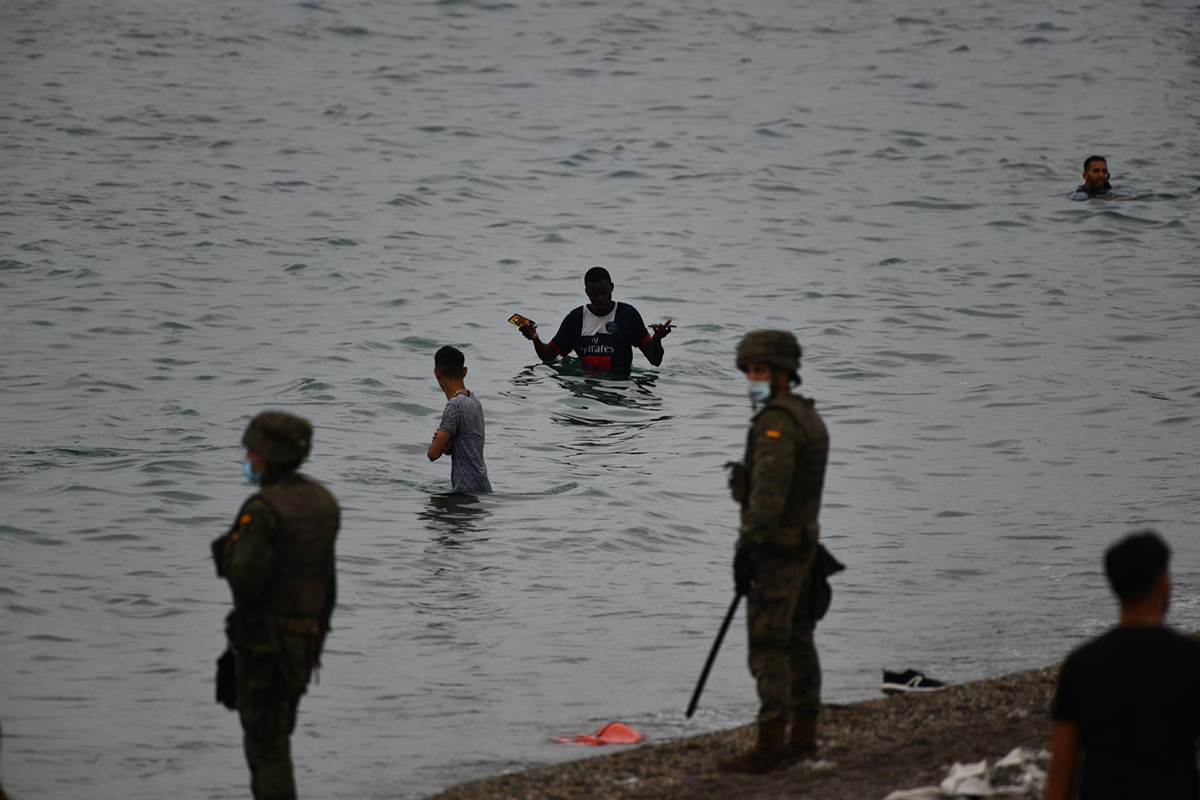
(463, 420)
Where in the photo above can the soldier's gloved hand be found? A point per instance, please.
(745, 566)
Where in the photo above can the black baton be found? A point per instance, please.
(712, 656)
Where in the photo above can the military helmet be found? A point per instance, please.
(278, 437)
(778, 349)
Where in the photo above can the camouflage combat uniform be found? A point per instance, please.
(778, 486)
(784, 471)
(279, 561)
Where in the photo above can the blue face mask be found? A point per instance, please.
(248, 471)
(759, 391)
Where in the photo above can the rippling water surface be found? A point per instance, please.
(211, 209)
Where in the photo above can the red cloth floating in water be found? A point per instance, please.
(612, 733)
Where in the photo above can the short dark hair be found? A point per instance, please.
(449, 361)
(596, 275)
(1087, 162)
(1134, 564)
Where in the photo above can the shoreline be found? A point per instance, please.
(867, 750)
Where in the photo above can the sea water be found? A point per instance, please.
(211, 209)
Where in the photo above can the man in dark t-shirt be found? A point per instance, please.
(1128, 702)
(603, 333)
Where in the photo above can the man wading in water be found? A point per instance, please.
(603, 333)
(778, 486)
(461, 431)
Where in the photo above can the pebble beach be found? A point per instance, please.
(868, 749)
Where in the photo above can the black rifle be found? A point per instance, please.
(712, 656)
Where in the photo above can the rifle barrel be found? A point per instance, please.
(712, 655)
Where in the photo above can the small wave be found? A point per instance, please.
(933, 205)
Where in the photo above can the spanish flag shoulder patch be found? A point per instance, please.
(771, 433)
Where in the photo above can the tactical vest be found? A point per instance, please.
(798, 530)
(304, 562)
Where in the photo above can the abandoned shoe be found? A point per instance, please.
(909, 681)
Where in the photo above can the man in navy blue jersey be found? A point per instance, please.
(603, 333)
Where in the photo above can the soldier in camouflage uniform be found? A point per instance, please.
(279, 561)
(779, 488)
